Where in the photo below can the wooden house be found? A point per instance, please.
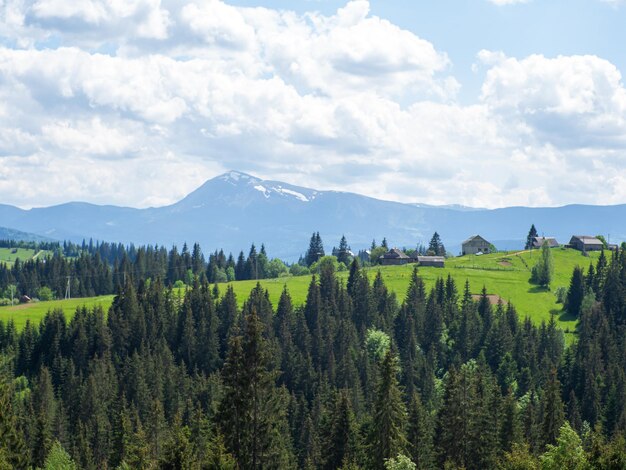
(475, 244)
(539, 241)
(585, 243)
(434, 261)
(394, 257)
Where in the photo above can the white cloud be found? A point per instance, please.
(347, 101)
(573, 101)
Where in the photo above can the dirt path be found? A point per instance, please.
(37, 254)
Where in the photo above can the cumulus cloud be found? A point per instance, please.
(137, 102)
(572, 102)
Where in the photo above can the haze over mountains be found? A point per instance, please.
(235, 209)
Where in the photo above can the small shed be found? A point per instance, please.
(585, 243)
(25, 299)
(539, 241)
(475, 244)
(394, 257)
(434, 261)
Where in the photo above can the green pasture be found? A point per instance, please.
(503, 274)
(9, 255)
(35, 311)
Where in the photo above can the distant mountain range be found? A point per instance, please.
(235, 209)
(12, 234)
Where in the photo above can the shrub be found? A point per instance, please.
(561, 294)
(45, 293)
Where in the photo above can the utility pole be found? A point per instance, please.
(67, 288)
(12, 293)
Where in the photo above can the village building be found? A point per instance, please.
(475, 244)
(434, 261)
(394, 257)
(585, 243)
(539, 241)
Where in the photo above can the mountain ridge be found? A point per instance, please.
(235, 209)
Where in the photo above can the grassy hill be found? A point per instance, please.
(37, 310)
(503, 274)
(9, 255)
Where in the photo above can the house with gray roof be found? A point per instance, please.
(394, 257)
(539, 241)
(585, 243)
(475, 244)
(434, 261)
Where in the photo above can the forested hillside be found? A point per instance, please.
(355, 378)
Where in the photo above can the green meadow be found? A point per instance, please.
(35, 311)
(504, 275)
(9, 255)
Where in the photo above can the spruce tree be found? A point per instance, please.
(420, 434)
(532, 233)
(553, 415)
(576, 293)
(388, 435)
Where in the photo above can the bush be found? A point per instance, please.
(377, 344)
(299, 270)
(561, 294)
(45, 293)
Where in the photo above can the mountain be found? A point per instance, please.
(235, 209)
(17, 235)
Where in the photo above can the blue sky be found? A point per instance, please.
(485, 103)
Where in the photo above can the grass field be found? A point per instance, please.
(8, 256)
(37, 310)
(503, 274)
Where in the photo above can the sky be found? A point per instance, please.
(485, 103)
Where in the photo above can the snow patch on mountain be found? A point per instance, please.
(295, 194)
(262, 189)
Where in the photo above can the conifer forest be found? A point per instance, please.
(356, 378)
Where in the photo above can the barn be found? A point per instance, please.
(539, 241)
(434, 261)
(475, 244)
(585, 243)
(394, 257)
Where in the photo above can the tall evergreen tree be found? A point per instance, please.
(435, 246)
(388, 436)
(576, 293)
(532, 233)
(315, 251)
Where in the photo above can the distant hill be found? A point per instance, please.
(235, 209)
(18, 235)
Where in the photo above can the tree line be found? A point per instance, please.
(353, 378)
(94, 269)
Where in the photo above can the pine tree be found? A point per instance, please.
(341, 446)
(532, 233)
(576, 293)
(435, 246)
(420, 434)
(553, 415)
(388, 438)
(316, 249)
(252, 415)
(343, 253)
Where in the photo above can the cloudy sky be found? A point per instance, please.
(486, 103)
